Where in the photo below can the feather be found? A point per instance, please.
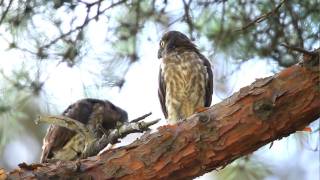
(86, 111)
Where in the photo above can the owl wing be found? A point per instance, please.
(209, 84)
(55, 139)
(87, 111)
(162, 94)
(57, 136)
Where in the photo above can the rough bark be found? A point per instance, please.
(269, 109)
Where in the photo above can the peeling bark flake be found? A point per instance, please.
(161, 164)
(190, 149)
(135, 165)
(261, 82)
(276, 94)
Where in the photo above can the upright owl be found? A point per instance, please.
(185, 77)
(61, 143)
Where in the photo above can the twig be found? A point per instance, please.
(299, 49)
(98, 9)
(86, 21)
(294, 20)
(6, 11)
(261, 18)
(116, 134)
(141, 117)
(187, 16)
(174, 21)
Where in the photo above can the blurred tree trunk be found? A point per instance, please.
(269, 109)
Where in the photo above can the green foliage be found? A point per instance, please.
(11, 102)
(17, 109)
(242, 29)
(231, 28)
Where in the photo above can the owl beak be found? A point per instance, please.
(159, 53)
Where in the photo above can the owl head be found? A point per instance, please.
(174, 40)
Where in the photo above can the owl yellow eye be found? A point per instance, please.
(161, 44)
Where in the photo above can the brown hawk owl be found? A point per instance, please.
(185, 77)
(61, 143)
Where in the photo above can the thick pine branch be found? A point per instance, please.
(267, 110)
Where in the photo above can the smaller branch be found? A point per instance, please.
(6, 11)
(112, 138)
(176, 20)
(294, 20)
(262, 17)
(141, 117)
(98, 9)
(207, 3)
(134, 127)
(299, 49)
(222, 34)
(86, 21)
(187, 16)
(90, 3)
